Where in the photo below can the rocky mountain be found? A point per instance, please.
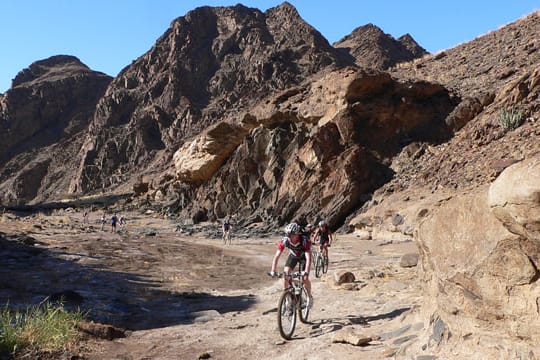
(371, 47)
(42, 117)
(210, 64)
(249, 114)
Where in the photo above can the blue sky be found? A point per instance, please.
(108, 35)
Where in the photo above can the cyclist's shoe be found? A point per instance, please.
(310, 302)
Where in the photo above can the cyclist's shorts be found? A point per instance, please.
(323, 241)
(293, 260)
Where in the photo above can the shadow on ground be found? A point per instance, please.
(31, 274)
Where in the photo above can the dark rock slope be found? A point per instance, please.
(41, 117)
(371, 47)
(210, 63)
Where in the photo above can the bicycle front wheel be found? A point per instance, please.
(303, 309)
(286, 315)
(318, 266)
(325, 264)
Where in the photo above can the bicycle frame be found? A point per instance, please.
(298, 296)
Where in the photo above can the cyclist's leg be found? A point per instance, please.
(307, 282)
(290, 263)
(325, 248)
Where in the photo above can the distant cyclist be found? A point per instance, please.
(323, 236)
(308, 231)
(299, 253)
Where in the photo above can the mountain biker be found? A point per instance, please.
(323, 236)
(299, 246)
(308, 231)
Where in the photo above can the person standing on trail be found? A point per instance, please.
(114, 220)
(103, 220)
(299, 253)
(85, 217)
(226, 229)
(122, 222)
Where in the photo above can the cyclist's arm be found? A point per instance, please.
(308, 261)
(275, 260)
(313, 238)
(330, 238)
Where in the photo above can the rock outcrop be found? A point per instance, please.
(314, 151)
(211, 64)
(372, 48)
(42, 118)
(482, 275)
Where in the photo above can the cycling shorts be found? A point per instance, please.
(293, 260)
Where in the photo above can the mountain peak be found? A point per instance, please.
(40, 68)
(372, 47)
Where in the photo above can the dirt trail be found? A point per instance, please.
(190, 297)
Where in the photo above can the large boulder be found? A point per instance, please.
(480, 258)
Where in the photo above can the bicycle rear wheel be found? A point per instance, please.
(303, 309)
(286, 316)
(318, 265)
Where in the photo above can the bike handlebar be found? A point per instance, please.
(280, 275)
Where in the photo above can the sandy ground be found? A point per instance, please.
(188, 296)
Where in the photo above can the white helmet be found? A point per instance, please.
(323, 223)
(292, 229)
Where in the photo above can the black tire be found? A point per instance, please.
(303, 309)
(318, 266)
(325, 264)
(286, 316)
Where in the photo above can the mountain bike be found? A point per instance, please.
(292, 303)
(320, 261)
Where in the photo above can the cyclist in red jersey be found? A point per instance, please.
(299, 253)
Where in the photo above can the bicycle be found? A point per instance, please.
(320, 262)
(292, 303)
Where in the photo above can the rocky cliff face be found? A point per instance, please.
(41, 117)
(491, 298)
(473, 220)
(371, 47)
(315, 151)
(211, 63)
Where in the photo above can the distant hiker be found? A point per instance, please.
(114, 220)
(226, 231)
(122, 222)
(103, 221)
(85, 217)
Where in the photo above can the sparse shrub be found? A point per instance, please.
(47, 327)
(510, 119)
